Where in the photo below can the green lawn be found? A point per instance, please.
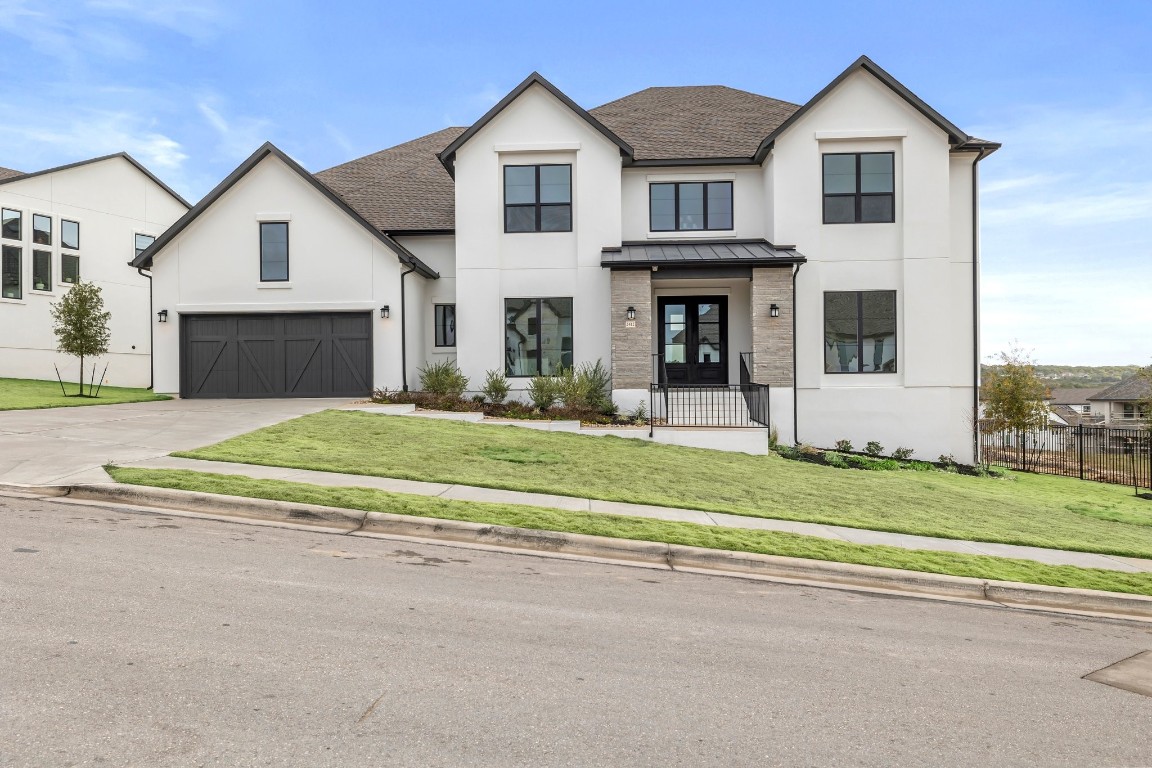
(621, 527)
(1034, 510)
(19, 394)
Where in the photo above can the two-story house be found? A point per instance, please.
(81, 221)
(697, 238)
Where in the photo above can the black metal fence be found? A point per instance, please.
(728, 405)
(756, 396)
(1106, 454)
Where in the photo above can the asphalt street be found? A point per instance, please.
(135, 639)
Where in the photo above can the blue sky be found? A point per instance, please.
(191, 87)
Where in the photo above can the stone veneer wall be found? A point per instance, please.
(772, 342)
(631, 347)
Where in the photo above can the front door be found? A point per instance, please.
(694, 339)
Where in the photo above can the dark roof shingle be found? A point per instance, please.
(696, 121)
(1132, 388)
(401, 188)
(7, 173)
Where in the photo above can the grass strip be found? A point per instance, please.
(22, 394)
(643, 529)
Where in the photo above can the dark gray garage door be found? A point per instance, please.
(276, 355)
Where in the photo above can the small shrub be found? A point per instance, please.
(773, 437)
(587, 386)
(543, 391)
(920, 466)
(639, 414)
(806, 450)
(902, 454)
(495, 386)
(833, 459)
(867, 462)
(788, 452)
(443, 378)
(874, 449)
(844, 446)
(946, 460)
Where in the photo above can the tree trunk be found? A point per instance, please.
(81, 375)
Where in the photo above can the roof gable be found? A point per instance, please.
(144, 260)
(8, 176)
(448, 156)
(1135, 387)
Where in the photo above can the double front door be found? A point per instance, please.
(694, 339)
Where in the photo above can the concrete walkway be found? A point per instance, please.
(570, 503)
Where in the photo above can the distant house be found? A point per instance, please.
(1119, 404)
(81, 221)
(1069, 406)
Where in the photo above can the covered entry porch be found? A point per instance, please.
(702, 331)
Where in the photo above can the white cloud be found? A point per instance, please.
(238, 136)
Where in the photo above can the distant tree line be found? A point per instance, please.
(1077, 376)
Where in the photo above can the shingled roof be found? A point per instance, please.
(401, 188)
(696, 121)
(1132, 388)
(7, 173)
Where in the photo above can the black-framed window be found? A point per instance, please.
(860, 332)
(41, 270)
(859, 187)
(142, 242)
(13, 228)
(41, 229)
(11, 271)
(687, 206)
(538, 198)
(69, 234)
(537, 336)
(445, 325)
(273, 251)
(70, 268)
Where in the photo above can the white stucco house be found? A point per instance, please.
(701, 241)
(81, 221)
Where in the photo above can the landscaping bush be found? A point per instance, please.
(833, 459)
(920, 466)
(639, 414)
(587, 386)
(495, 387)
(443, 378)
(869, 462)
(844, 446)
(543, 391)
(902, 454)
(874, 448)
(773, 436)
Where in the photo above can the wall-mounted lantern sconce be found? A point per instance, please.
(631, 313)
(162, 316)
(385, 311)
(774, 310)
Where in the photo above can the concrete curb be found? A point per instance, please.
(674, 556)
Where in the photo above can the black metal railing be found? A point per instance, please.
(1105, 454)
(723, 405)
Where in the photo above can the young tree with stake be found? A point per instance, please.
(81, 325)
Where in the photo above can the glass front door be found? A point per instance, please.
(694, 339)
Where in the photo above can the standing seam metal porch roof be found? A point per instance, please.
(699, 253)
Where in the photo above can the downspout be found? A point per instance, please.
(795, 389)
(976, 304)
(151, 329)
(404, 328)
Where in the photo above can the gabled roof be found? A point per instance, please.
(956, 137)
(694, 122)
(5, 178)
(402, 188)
(448, 156)
(1072, 395)
(144, 260)
(1134, 387)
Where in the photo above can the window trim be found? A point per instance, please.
(287, 252)
(676, 206)
(538, 301)
(436, 326)
(858, 195)
(860, 333)
(538, 206)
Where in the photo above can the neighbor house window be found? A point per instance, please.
(142, 243)
(13, 224)
(42, 270)
(537, 198)
(273, 251)
(41, 229)
(70, 268)
(537, 336)
(445, 325)
(859, 187)
(10, 272)
(69, 234)
(860, 332)
(690, 206)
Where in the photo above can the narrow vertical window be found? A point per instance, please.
(42, 270)
(538, 198)
(69, 234)
(13, 224)
(41, 229)
(10, 272)
(70, 268)
(860, 332)
(859, 188)
(445, 325)
(142, 243)
(273, 251)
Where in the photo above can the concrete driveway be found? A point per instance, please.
(70, 445)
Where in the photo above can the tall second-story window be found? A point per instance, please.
(859, 187)
(13, 224)
(538, 198)
(687, 206)
(41, 229)
(273, 251)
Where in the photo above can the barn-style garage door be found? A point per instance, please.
(276, 355)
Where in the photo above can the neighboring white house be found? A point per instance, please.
(700, 237)
(1121, 405)
(83, 221)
